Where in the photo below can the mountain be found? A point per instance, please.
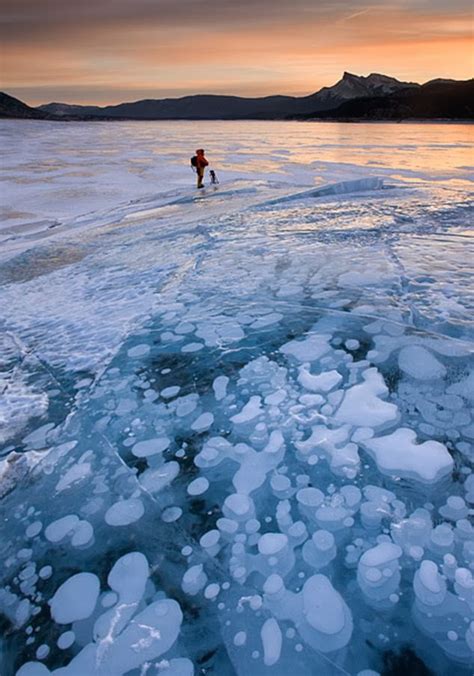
(374, 97)
(11, 107)
(437, 99)
(356, 86)
(206, 106)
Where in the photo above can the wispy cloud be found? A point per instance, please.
(98, 50)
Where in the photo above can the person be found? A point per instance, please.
(201, 164)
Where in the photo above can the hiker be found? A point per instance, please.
(199, 162)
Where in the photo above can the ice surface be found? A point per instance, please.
(237, 426)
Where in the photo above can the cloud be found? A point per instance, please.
(39, 19)
(99, 50)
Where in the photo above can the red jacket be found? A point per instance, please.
(201, 162)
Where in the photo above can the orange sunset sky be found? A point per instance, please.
(108, 51)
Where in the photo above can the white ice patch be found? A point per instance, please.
(18, 405)
(323, 382)
(250, 411)
(398, 454)
(309, 349)
(362, 405)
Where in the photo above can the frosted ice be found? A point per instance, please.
(363, 403)
(260, 457)
(310, 349)
(398, 454)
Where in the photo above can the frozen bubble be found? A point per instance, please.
(42, 652)
(154, 480)
(272, 543)
(192, 347)
(33, 529)
(171, 514)
(143, 449)
(170, 392)
(33, 668)
(212, 590)
(45, 572)
(83, 534)
(220, 387)
(203, 422)
(184, 327)
(59, 529)
(124, 512)
(352, 344)
(138, 351)
(75, 599)
(198, 486)
(240, 638)
(238, 505)
(65, 640)
(24, 554)
(327, 624)
(272, 642)
(194, 580)
(210, 539)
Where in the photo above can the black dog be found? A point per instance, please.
(214, 179)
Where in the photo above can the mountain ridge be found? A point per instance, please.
(352, 96)
(216, 106)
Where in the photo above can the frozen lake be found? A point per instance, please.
(236, 425)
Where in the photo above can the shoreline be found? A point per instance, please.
(248, 119)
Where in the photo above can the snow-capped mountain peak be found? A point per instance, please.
(354, 86)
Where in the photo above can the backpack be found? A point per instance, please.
(194, 161)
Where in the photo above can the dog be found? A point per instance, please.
(214, 179)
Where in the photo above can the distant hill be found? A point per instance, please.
(375, 97)
(11, 107)
(205, 106)
(437, 99)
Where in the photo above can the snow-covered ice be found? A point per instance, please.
(237, 427)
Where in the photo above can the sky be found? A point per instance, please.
(108, 51)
